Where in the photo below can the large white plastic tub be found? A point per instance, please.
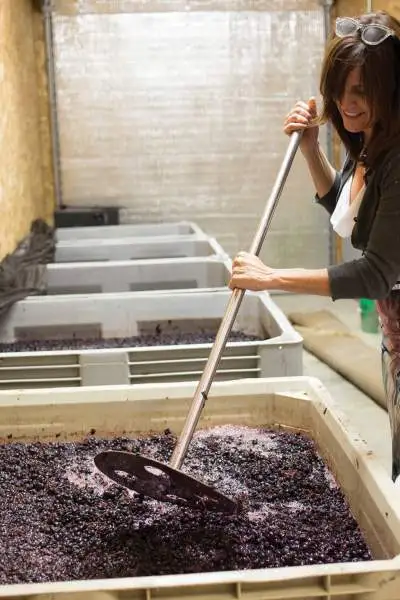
(136, 248)
(277, 353)
(301, 404)
(128, 231)
(138, 275)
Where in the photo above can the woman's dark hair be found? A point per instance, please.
(380, 78)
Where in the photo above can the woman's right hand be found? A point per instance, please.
(300, 119)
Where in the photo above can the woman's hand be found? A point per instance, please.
(300, 118)
(250, 273)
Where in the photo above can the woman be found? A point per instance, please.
(360, 88)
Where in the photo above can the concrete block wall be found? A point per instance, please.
(175, 109)
(26, 190)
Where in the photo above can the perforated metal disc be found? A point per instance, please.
(160, 481)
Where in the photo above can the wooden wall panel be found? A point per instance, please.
(25, 171)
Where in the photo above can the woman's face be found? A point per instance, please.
(353, 106)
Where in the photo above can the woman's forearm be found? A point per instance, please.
(300, 281)
(250, 273)
(321, 170)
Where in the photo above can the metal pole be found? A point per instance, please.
(51, 79)
(232, 309)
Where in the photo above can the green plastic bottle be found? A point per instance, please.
(369, 316)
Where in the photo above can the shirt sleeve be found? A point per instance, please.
(375, 273)
(329, 200)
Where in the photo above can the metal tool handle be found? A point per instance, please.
(232, 309)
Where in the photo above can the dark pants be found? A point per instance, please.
(391, 381)
(389, 314)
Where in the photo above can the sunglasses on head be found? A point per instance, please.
(371, 34)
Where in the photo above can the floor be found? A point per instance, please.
(364, 415)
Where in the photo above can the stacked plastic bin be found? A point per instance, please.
(129, 304)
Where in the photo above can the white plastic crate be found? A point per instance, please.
(138, 275)
(128, 231)
(300, 404)
(277, 353)
(136, 248)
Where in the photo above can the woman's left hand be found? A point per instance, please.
(250, 273)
